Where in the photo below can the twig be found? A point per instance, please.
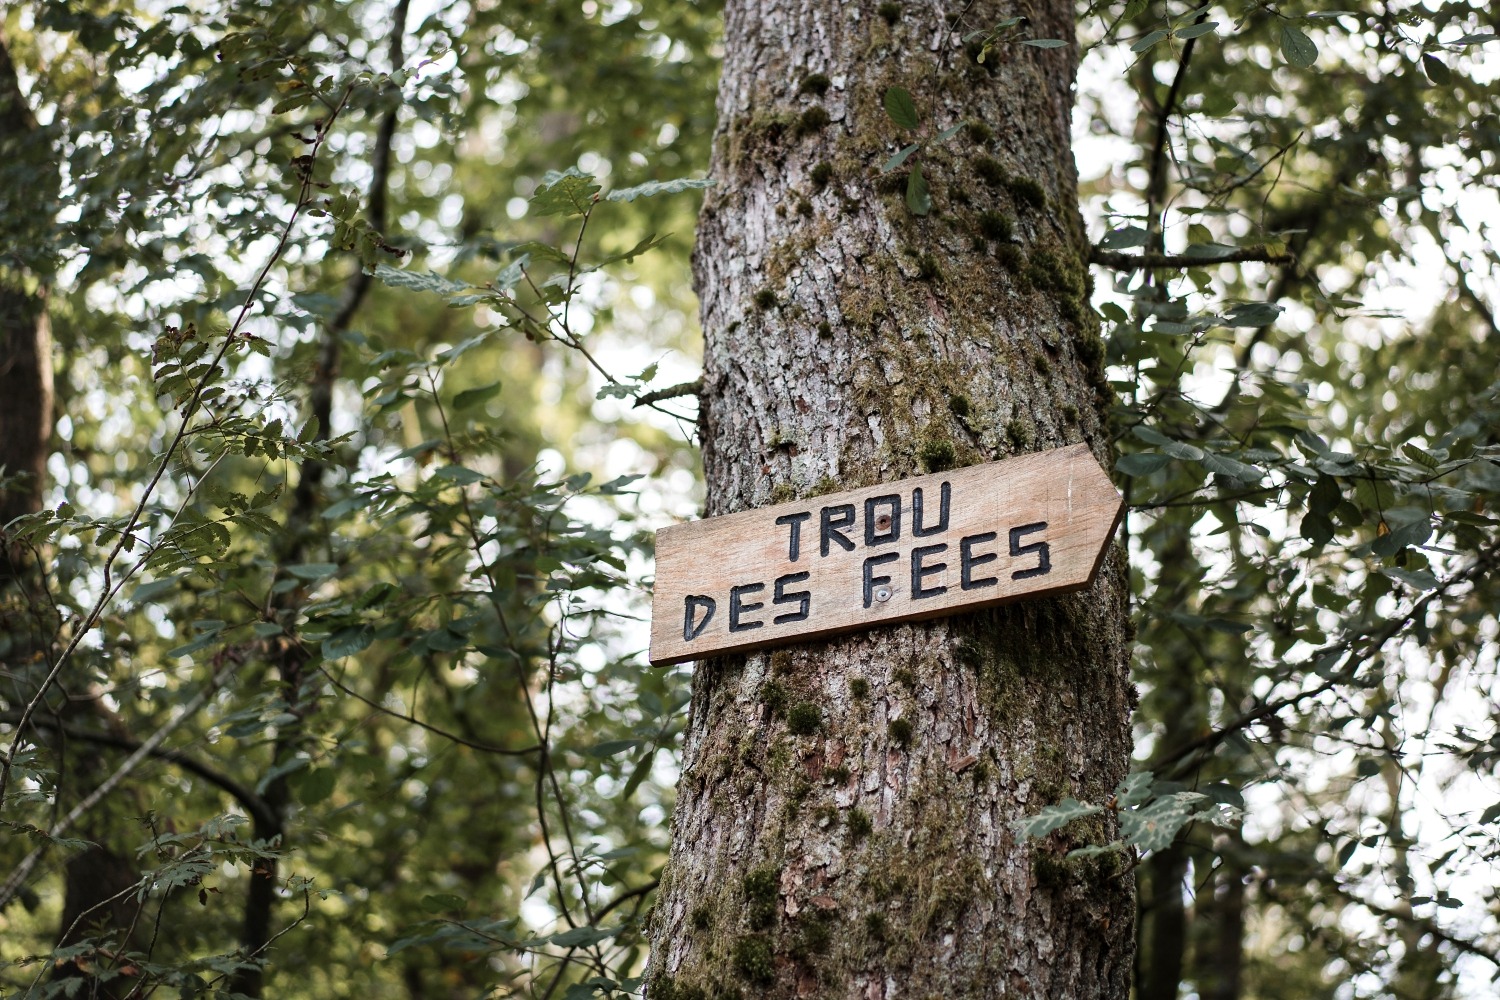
(259, 811)
(453, 737)
(1137, 262)
(693, 388)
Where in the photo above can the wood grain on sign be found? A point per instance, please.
(919, 548)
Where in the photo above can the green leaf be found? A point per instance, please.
(1420, 580)
(472, 397)
(899, 158)
(610, 748)
(1123, 239)
(442, 902)
(458, 474)
(1153, 827)
(312, 571)
(652, 188)
(570, 192)
(1208, 251)
(1346, 852)
(313, 785)
(1298, 49)
(347, 642)
(1141, 463)
(417, 281)
(1044, 43)
(918, 197)
(949, 132)
(1252, 314)
(1437, 71)
(901, 108)
(1194, 30)
(147, 592)
(638, 775)
(580, 936)
(1054, 818)
(1147, 41)
(543, 251)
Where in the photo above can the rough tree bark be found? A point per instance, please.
(850, 342)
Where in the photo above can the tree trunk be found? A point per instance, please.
(850, 342)
(25, 349)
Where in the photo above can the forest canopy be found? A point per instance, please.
(350, 363)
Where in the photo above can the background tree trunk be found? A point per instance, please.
(850, 342)
(25, 347)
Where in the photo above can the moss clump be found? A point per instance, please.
(927, 268)
(815, 83)
(979, 132)
(859, 687)
(754, 959)
(1070, 413)
(804, 207)
(991, 172)
(981, 772)
(904, 676)
(814, 937)
(891, 12)
(760, 897)
(875, 926)
(824, 330)
(1041, 364)
(1020, 433)
(859, 823)
(798, 795)
(774, 696)
(812, 120)
(804, 719)
(900, 732)
(937, 455)
(702, 918)
(1027, 192)
(969, 652)
(838, 775)
(783, 493)
(1010, 256)
(765, 299)
(821, 174)
(996, 226)
(958, 405)
(781, 662)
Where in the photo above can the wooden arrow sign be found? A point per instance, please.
(919, 548)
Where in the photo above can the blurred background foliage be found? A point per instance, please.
(368, 328)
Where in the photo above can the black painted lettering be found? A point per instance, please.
(830, 521)
(945, 496)
(801, 598)
(794, 544)
(871, 580)
(738, 607)
(693, 604)
(919, 571)
(968, 560)
(1043, 553)
(883, 528)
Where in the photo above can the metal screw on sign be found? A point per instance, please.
(882, 593)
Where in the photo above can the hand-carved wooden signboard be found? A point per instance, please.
(919, 548)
